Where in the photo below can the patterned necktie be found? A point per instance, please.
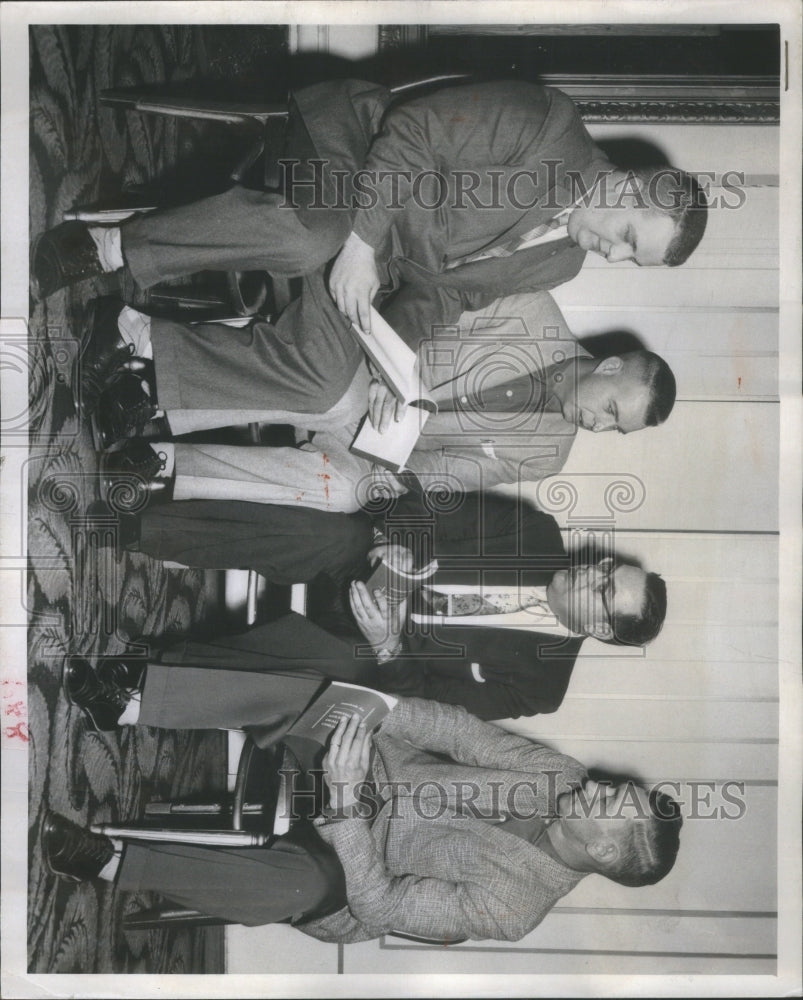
(453, 605)
(512, 246)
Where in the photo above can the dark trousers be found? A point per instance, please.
(285, 544)
(299, 875)
(258, 681)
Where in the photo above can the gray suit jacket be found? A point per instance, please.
(428, 866)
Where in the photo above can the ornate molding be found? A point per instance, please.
(681, 112)
(714, 100)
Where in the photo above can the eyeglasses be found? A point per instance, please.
(606, 588)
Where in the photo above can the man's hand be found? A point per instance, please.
(346, 761)
(398, 556)
(383, 406)
(381, 625)
(354, 281)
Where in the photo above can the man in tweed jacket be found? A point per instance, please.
(473, 833)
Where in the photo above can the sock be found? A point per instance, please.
(109, 246)
(135, 328)
(130, 716)
(109, 871)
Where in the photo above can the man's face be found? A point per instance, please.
(599, 811)
(612, 397)
(585, 597)
(622, 232)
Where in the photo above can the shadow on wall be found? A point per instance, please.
(603, 345)
(634, 153)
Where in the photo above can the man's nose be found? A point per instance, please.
(619, 251)
(590, 788)
(604, 422)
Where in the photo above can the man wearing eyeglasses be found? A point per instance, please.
(505, 651)
(497, 630)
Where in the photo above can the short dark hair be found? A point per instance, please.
(638, 630)
(656, 374)
(677, 194)
(652, 846)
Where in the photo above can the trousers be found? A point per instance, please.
(298, 876)
(284, 544)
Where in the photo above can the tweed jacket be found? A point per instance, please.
(428, 863)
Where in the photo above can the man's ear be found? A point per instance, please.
(609, 366)
(603, 852)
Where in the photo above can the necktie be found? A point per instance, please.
(512, 246)
(453, 605)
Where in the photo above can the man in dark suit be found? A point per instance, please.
(471, 832)
(452, 200)
(497, 550)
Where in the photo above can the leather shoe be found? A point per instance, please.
(104, 353)
(127, 676)
(130, 478)
(126, 409)
(71, 852)
(102, 700)
(63, 256)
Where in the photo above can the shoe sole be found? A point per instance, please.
(73, 704)
(47, 827)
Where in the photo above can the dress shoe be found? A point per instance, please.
(127, 676)
(104, 352)
(130, 478)
(126, 409)
(63, 256)
(104, 700)
(71, 852)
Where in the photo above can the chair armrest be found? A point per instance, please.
(134, 99)
(206, 838)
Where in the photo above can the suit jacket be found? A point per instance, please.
(497, 131)
(425, 864)
(505, 541)
(526, 674)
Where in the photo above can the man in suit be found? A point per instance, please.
(493, 550)
(451, 200)
(511, 383)
(470, 832)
